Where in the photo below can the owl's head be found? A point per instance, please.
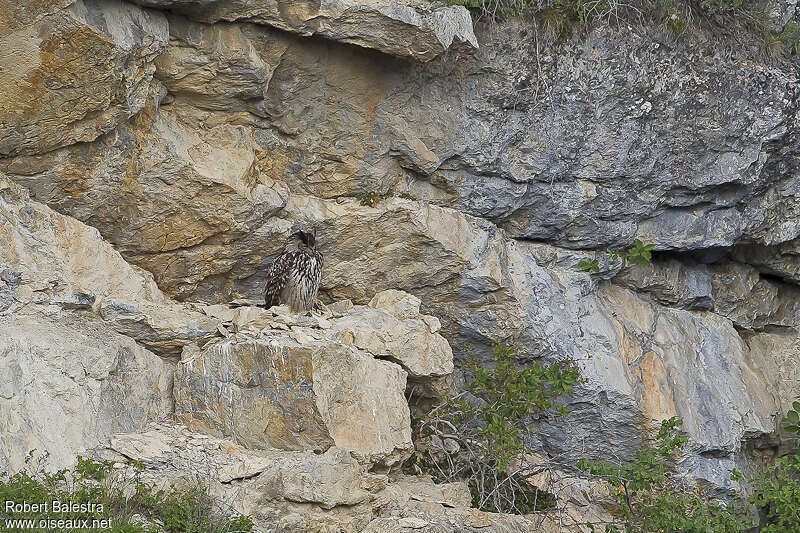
(301, 240)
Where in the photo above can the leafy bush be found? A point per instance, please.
(777, 493)
(777, 490)
(108, 502)
(482, 432)
(649, 500)
(791, 422)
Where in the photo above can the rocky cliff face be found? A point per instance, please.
(154, 154)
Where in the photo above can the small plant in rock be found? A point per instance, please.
(480, 434)
(650, 501)
(369, 198)
(589, 265)
(372, 198)
(639, 254)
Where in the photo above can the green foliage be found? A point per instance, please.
(589, 265)
(638, 254)
(648, 500)
(186, 511)
(789, 38)
(489, 426)
(777, 490)
(369, 198)
(511, 395)
(106, 502)
(777, 493)
(791, 422)
(372, 198)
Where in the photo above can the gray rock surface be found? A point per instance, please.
(302, 491)
(52, 262)
(753, 301)
(593, 144)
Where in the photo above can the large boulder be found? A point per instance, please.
(267, 485)
(299, 382)
(296, 391)
(129, 196)
(70, 74)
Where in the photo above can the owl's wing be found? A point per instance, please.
(277, 274)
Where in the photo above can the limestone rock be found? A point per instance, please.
(399, 303)
(455, 520)
(52, 259)
(70, 74)
(782, 260)
(223, 67)
(406, 28)
(67, 385)
(751, 300)
(321, 119)
(400, 334)
(672, 283)
(581, 500)
(124, 185)
(698, 368)
(258, 392)
(302, 491)
(405, 489)
(278, 392)
(775, 354)
(255, 482)
(521, 163)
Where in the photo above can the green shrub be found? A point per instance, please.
(776, 492)
(649, 500)
(108, 502)
(489, 429)
(372, 198)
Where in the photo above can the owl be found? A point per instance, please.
(293, 278)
